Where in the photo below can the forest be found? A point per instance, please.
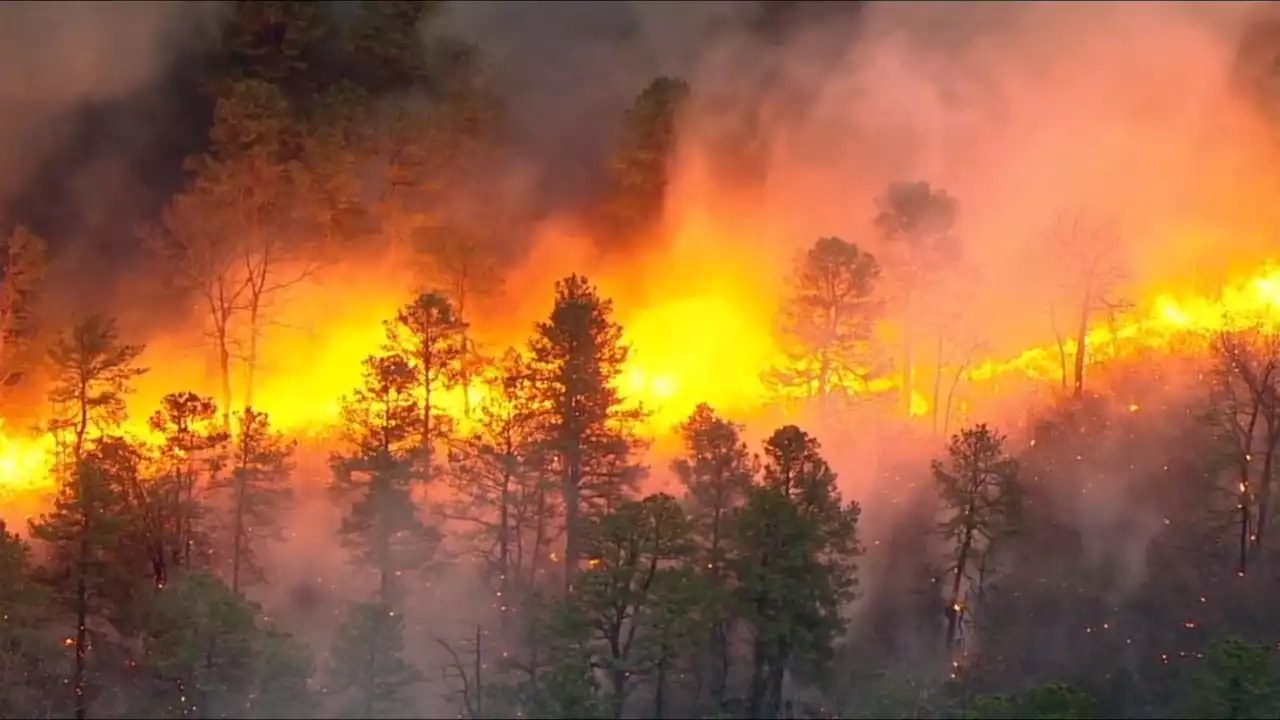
(900, 512)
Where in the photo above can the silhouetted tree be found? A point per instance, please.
(589, 435)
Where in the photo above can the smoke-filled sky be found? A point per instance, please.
(1020, 110)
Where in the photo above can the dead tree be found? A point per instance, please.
(1246, 413)
(1084, 247)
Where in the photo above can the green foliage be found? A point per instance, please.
(1053, 701)
(367, 663)
(189, 456)
(82, 535)
(382, 423)
(282, 677)
(29, 658)
(588, 434)
(716, 471)
(630, 595)
(796, 549)
(1238, 679)
(199, 648)
(258, 492)
(559, 680)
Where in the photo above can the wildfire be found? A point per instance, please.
(710, 342)
(24, 463)
(1168, 320)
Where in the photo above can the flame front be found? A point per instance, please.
(710, 342)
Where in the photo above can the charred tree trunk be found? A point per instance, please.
(908, 356)
(1245, 513)
(82, 617)
(937, 382)
(1082, 340)
(572, 510)
(955, 611)
(759, 682)
(224, 374)
(251, 354)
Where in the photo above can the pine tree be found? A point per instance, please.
(982, 501)
(82, 534)
(796, 547)
(501, 488)
(29, 660)
(717, 472)
(589, 435)
(258, 492)
(633, 549)
(368, 663)
(282, 676)
(641, 168)
(200, 639)
(382, 424)
(462, 265)
(427, 336)
(93, 371)
(827, 321)
(190, 457)
(915, 221)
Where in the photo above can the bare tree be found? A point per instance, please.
(462, 266)
(915, 219)
(192, 239)
(1246, 413)
(1085, 251)
(500, 488)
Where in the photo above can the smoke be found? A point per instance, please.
(61, 58)
(802, 114)
(91, 119)
(1132, 113)
(568, 70)
(1019, 111)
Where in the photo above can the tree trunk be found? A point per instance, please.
(504, 550)
(660, 684)
(224, 373)
(955, 610)
(539, 535)
(908, 352)
(237, 542)
(1082, 339)
(1245, 511)
(937, 382)
(82, 618)
(572, 511)
(1265, 482)
(251, 356)
(1061, 345)
(426, 448)
(479, 666)
(759, 687)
